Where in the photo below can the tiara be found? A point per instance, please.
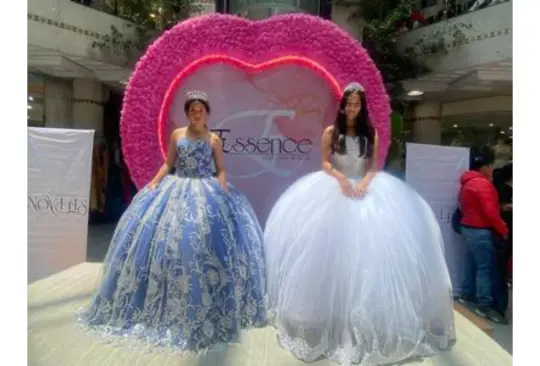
(197, 94)
(354, 87)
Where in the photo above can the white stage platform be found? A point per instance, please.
(53, 339)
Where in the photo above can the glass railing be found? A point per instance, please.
(439, 13)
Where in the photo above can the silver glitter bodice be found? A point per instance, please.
(350, 163)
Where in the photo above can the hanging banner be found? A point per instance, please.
(434, 171)
(59, 170)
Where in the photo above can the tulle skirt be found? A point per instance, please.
(357, 280)
(185, 269)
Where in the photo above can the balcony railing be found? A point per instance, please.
(438, 13)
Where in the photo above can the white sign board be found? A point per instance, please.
(59, 172)
(434, 171)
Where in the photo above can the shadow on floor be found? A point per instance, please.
(217, 358)
(99, 238)
(59, 302)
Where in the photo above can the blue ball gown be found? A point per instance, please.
(185, 268)
(357, 280)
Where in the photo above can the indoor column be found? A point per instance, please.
(427, 123)
(87, 105)
(58, 103)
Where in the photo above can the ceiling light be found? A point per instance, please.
(502, 132)
(152, 15)
(415, 93)
(30, 98)
(491, 125)
(455, 126)
(510, 128)
(29, 107)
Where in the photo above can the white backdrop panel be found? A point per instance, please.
(59, 172)
(434, 171)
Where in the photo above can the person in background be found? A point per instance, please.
(503, 152)
(481, 225)
(505, 188)
(503, 252)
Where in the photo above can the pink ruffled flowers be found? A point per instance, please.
(254, 42)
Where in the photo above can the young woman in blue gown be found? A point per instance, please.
(355, 258)
(185, 267)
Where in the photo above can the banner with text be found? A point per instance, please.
(434, 171)
(59, 172)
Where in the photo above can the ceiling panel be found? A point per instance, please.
(51, 62)
(492, 79)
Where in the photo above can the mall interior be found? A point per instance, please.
(465, 100)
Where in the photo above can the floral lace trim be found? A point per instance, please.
(145, 340)
(427, 345)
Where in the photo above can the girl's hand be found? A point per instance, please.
(152, 186)
(346, 186)
(360, 190)
(224, 186)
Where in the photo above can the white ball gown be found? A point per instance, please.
(185, 268)
(357, 280)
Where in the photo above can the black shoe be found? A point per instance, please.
(466, 303)
(491, 315)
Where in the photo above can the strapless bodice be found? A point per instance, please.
(195, 159)
(351, 164)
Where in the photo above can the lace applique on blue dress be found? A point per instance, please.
(185, 268)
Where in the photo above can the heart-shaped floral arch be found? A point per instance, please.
(254, 42)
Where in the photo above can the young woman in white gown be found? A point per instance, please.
(355, 260)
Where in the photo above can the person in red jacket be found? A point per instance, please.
(481, 225)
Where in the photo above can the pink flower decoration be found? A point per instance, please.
(296, 128)
(253, 42)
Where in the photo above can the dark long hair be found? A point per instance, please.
(480, 157)
(363, 128)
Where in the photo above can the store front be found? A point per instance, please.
(36, 100)
(51, 104)
(471, 130)
(476, 130)
(262, 9)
